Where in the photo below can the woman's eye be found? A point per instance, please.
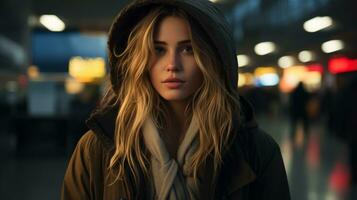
(159, 50)
(187, 49)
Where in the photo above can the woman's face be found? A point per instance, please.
(174, 72)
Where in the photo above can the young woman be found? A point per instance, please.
(172, 125)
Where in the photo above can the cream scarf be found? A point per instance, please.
(172, 178)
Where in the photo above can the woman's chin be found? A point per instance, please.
(174, 98)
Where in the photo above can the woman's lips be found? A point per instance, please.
(173, 84)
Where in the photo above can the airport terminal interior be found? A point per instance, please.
(297, 62)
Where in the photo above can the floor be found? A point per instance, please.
(316, 165)
(316, 162)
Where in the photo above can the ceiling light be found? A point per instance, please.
(332, 46)
(52, 23)
(243, 60)
(317, 23)
(306, 56)
(264, 48)
(286, 61)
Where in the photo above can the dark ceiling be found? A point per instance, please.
(81, 14)
(253, 21)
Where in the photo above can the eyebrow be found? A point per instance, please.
(180, 42)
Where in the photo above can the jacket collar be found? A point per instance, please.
(235, 172)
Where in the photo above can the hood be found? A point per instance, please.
(202, 12)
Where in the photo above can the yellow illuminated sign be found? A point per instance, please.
(264, 70)
(87, 69)
(245, 79)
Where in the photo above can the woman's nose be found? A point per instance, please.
(173, 62)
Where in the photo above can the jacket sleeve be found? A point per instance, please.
(271, 183)
(76, 183)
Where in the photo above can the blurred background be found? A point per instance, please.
(298, 67)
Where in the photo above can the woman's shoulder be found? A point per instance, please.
(91, 146)
(256, 162)
(260, 140)
(263, 155)
(86, 170)
(259, 149)
(88, 140)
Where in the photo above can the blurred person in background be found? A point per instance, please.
(172, 125)
(298, 101)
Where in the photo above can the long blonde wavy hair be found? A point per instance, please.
(213, 104)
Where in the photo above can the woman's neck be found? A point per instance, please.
(177, 124)
(177, 115)
(178, 118)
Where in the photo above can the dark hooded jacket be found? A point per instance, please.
(252, 166)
